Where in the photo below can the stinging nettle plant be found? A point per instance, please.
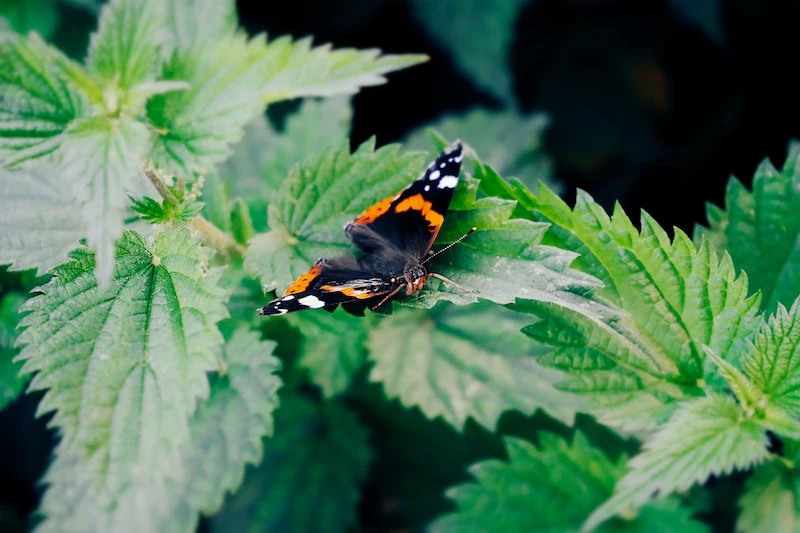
(163, 382)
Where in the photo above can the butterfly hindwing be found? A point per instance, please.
(411, 220)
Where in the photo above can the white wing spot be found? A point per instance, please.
(434, 175)
(448, 182)
(312, 302)
(427, 188)
(459, 159)
(450, 159)
(281, 311)
(443, 165)
(288, 297)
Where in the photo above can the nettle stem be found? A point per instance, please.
(214, 237)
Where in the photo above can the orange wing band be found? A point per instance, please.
(375, 211)
(302, 283)
(349, 291)
(418, 203)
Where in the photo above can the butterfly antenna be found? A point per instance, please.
(467, 234)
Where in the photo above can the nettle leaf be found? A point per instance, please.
(309, 477)
(295, 69)
(226, 431)
(760, 229)
(125, 50)
(678, 299)
(23, 17)
(478, 34)
(550, 488)
(197, 126)
(509, 142)
(308, 214)
(707, 436)
(102, 159)
(123, 367)
(261, 161)
(332, 348)
(773, 365)
(38, 100)
(440, 362)
(771, 501)
(198, 23)
(40, 219)
(11, 383)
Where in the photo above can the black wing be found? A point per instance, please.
(411, 220)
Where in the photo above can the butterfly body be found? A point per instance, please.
(394, 235)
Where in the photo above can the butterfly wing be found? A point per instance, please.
(411, 220)
(328, 283)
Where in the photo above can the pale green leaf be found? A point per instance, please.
(102, 159)
(308, 213)
(309, 477)
(11, 383)
(771, 501)
(295, 69)
(332, 348)
(478, 33)
(125, 50)
(442, 363)
(40, 219)
(706, 436)
(226, 431)
(678, 299)
(37, 99)
(744, 390)
(510, 143)
(773, 365)
(553, 488)
(760, 229)
(198, 23)
(197, 126)
(123, 367)
(262, 159)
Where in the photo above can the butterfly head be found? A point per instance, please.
(413, 279)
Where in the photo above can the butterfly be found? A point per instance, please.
(395, 237)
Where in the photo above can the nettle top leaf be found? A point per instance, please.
(186, 93)
(678, 298)
(760, 229)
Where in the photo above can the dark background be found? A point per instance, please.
(647, 107)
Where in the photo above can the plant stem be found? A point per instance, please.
(214, 237)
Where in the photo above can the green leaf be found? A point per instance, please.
(24, 17)
(510, 143)
(197, 126)
(678, 299)
(332, 348)
(40, 219)
(440, 362)
(11, 383)
(103, 160)
(309, 477)
(198, 23)
(123, 367)
(478, 34)
(760, 229)
(308, 213)
(37, 98)
(226, 431)
(125, 50)
(770, 501)
(550, 488)
(295, 69)
(773, 365)
(261, 161)
(707, 436)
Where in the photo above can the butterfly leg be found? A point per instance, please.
(451, 282)
(387, 297)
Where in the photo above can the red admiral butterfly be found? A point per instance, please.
(395, 236)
